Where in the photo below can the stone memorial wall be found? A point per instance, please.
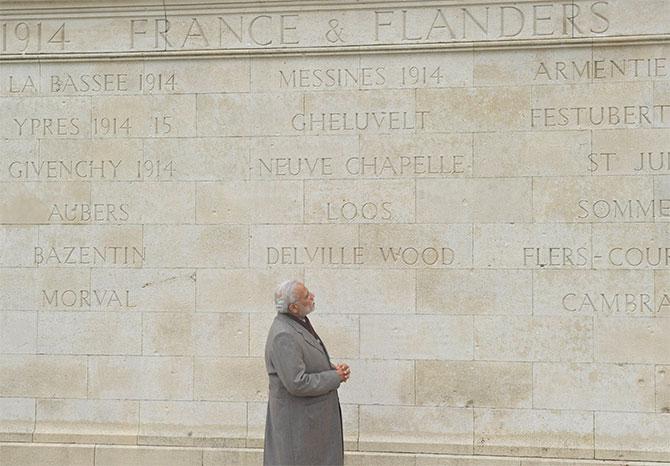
(477, 192)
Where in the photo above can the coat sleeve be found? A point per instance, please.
(288, 361)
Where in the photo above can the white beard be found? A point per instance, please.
(308, 310)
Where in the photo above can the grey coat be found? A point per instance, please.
(304, 420)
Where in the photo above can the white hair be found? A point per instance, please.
(285, 296)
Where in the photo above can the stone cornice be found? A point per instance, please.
(84, 29)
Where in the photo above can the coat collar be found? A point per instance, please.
(309, 338)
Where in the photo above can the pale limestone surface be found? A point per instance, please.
(37, 200)
(340, 331)
(478, 194)
(505, 200)
(48, 376)
(17, 332)
(201, 334)
(204, 245)
(526, 153)
(629, 387)
(643, 435)
(663, 389)
(47, 455)
(231, 290)
(417, 337)
(342, 296)
(146, 456)
(140, 377)
(646, 338)
(473, 292)
(476, 383)
(16, 245)
(18, 419)
(262, 202)
(450, 428)
(533, 432)
(192, 423)
(229, 379)
(91, 333)
(87, 421)
(533, 338)
(398, 387)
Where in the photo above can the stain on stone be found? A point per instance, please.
(167, 280)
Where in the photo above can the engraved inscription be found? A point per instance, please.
(610, 116)
(623, 209)
(213, 31)
(89, 213)
(89, 255)
(363, 77)
(21, 85)
(643, 163)
(617, 256)
(123, 126)
(614, 304)
(44, 127)
(106, 169)
(83, 83)
(322, 255)
(33, 36)
(653, 161)
(64, 169)
(601, 161)
(293, 166)
(72, 298)
(639, 256)
(373, 166)
(414, 75)
(111, 126)
(413, 25)
(328, 255)
(108, 82)
(604, 69)
(405, 165)
(432, 158)
(67, 83)
(348, 211)
(555, 257)
(489, 22)
(342, 26)
(417, 256)
(314, 78)
(358, 121)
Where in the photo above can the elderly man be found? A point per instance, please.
(304, 419)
